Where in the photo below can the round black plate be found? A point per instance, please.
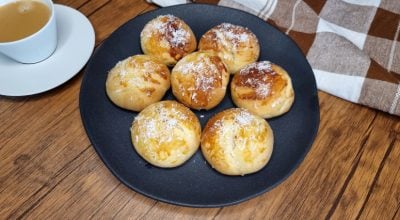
(195, 183)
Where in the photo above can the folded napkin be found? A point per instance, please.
(353, 46)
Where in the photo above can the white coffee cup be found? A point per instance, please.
(36, 47)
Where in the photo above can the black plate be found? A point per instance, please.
(195, 183)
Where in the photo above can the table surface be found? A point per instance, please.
(49, 170)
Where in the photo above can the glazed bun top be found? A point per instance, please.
(237, 142)
(200, 80)
(168, 38)
(263, 88)
(236, 45)
(166, 133)
(137, 82)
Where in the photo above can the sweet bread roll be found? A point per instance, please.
(237, 142)
(263, 88)
(137, 82)
(199, 80)
(236, 45)
(168, 38)
(166, 134)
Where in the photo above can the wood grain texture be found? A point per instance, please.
(109, 17)
(383, 200)
(72, 3)
(371, 161)
(49, 170)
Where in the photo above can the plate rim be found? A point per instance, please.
(198, 205)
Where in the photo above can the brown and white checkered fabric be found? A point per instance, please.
(353, 46)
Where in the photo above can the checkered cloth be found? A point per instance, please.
(352, 45)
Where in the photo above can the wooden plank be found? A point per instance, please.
(37, 144)
(397, 213)
(79, 193)
(72, 3)
(383, 200)
(123, 203)
(32, 200)
(166, 211)
(120, 11)
(311, 190)
(89, 191)
(92, 6)
(8, 104)
(135, 208)
(373, 155)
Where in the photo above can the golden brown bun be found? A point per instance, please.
(137, 82)
(199, 80)
(263, 88)
(236, 45)
(168, 38)
(237, 142)
(166, 134)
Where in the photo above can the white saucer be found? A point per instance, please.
(75, 45)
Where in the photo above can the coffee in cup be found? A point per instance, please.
(21, 19)
(28, 29)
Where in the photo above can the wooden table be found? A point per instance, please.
(49, 170)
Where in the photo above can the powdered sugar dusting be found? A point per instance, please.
(218, 125)
(253, 82)
(170, 28)
(185, 68)
(264, 66)
(263, 90)
(179, 36)
(229, 34)
(204, 82)
(158, 126)
(123, 66)
(258, 78)
(203, 70)
(170, 116)
(230, 127)
(244, 118)
(151, 128)
(151, 66)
